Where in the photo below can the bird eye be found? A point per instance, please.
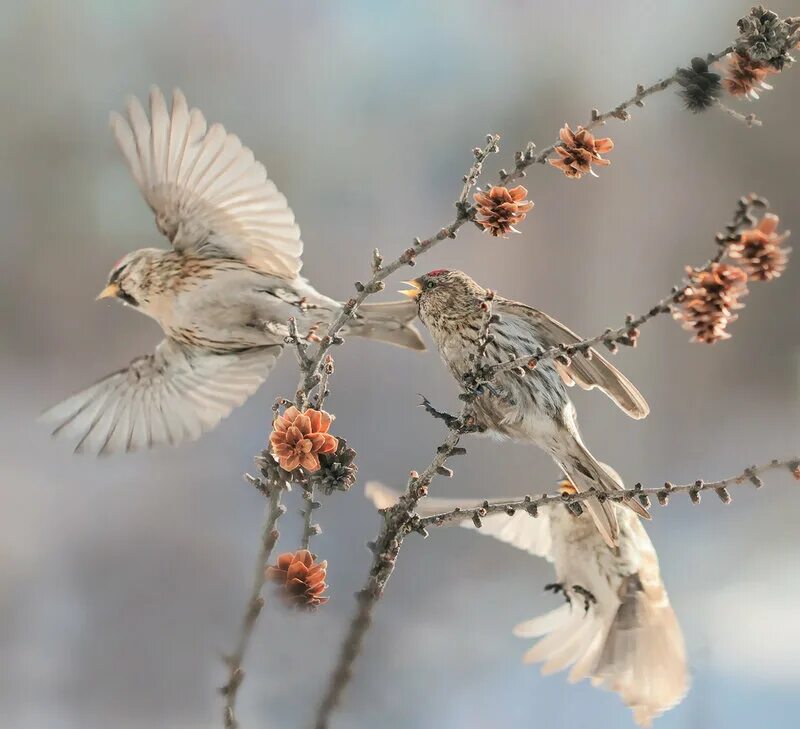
(430, 285)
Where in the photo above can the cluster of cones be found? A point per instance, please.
(707, 305)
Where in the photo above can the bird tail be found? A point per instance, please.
(388, 322)
(637, 652)
(643, 658)
(586, 473)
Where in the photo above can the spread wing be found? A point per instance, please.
(208, 193)
(520, 530)
(171, 396)
(588, 373)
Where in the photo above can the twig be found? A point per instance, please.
(492, 142)
(269, 537)
(310, 529)
(310, 376)
(628, 333)
(751, 475)
(322, 388)
(619, 112)
(751, 120)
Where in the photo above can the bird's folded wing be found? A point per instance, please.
(520, 530)
(168, 397)
(209, 194)
(588, 373)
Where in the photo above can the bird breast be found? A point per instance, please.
(229, 306)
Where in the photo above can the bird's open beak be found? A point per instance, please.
(108, 292)
(414, 292)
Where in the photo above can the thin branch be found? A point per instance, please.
(620, 112)
(628, 333)
(310, 375)
(471, 178)
(300, 344)
(531, 504)
(751, 120)
(255, 603)
(310, 528)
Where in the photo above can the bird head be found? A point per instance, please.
(443, 294)
(128, 279)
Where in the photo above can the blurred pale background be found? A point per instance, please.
(123, 579)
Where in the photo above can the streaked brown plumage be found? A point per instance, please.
(222, 295)
(618, 628)
(535, 408)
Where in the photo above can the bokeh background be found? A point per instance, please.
(122, 580)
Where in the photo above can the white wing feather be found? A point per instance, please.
(168, 397)
(208, 192)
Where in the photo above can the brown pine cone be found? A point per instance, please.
(764, 36)
(298, 438)
(579, 151)
(500, 209)
(746, 76)
(706, 305)
(302, 579)
(338, 471)
(759, 250)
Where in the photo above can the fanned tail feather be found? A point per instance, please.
(636, 651)
(644, 656)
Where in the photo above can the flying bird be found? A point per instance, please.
(617, 626)
(535, 408)
(222, 294)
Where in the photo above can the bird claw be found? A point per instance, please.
(556, 587)
(588, 598)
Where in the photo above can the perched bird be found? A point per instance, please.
(223, 293)
(617, 627)
(534, 408)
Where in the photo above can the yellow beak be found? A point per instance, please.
(414, 292)
(108, 292)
